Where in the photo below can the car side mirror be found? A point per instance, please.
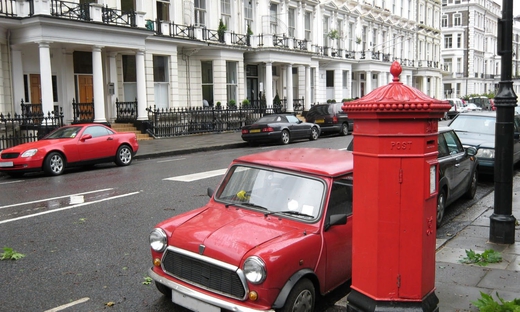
(471, 151)
(86, 137)
(210, 191)
(336, 219)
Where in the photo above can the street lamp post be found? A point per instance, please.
(502, 222)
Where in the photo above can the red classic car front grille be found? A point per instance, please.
(203, 274)
(10, 155)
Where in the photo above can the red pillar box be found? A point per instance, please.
(395, 198)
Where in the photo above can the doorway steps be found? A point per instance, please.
(128, 127)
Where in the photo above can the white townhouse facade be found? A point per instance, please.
(469, 49)
(170, 53)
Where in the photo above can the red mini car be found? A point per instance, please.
(75, 145)
(275, 234)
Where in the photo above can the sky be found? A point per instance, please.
(516, 6)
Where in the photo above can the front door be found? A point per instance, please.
(85, 97)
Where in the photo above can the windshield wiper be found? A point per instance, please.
(253, 205)
(291, 212)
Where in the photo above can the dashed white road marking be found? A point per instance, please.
(68, 207)
(168, 160)
(54, 198)
(11, 182)
(197, 176)
(68, 305)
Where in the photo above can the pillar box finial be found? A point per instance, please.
(396, 70)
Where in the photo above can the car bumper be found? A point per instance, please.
(200, 296)
(486, 166)
(263, 137)
(20, 165)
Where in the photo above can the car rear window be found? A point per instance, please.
(472, 123)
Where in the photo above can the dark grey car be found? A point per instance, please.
(458, 170)
(331, 118)
(478, 130)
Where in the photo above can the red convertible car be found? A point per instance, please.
(275, 234)
(75, 145)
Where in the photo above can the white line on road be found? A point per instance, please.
(10, 182)
(68, 305)
(197, 176)
(54, 198)
(167, 160)
(69, 207)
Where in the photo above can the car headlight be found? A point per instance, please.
(486, 153)
(254, 270)
(29, 153)
(158, 240)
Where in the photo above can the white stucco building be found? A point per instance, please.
(168, 53)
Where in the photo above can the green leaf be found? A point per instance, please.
(10, 254)
(147, 280)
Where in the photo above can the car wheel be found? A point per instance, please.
(15, 174)
(286, 137)
(54, 164)
(472, 187)
(441, 206)
(301, 298)
(314, 134)
(123, 155)
(344, 129)
(164, 290)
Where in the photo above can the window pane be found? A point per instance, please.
(207, 71)
(129, 74)
(160, 68)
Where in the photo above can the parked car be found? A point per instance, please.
(279, 128)
(481, 101)
(275, 234)
(478, 130)
(75, 145)
(457, 106)
(331, 118)
(458, 170)
(472, 107)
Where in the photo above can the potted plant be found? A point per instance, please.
(232, 104)
(248, 35)
(245, 103)
(221, 30)
(218, 105)
(277, 104)
(333, 34)
(358, 40)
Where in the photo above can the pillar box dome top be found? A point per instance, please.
(398, 98)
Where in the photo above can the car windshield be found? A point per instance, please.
(273, 192)
(472, 123)
(320, 110)
(67, 132)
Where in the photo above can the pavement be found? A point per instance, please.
(457, 284)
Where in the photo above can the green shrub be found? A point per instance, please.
(486, 303)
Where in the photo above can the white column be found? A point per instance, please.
(99, 90)
(368, 82)
(113, 80)
(141, 86)
(349, 84)
(18, 85)
(290, 106)
(45, 78)
(424, 88)
(269, 84)
(308, 99)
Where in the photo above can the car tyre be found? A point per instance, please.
(54, 164)
(301, 298)
(167, 292)
(472, 187)
(441, 206)
(286, 137)
(344, 129)
(315, 133)
(124, 155)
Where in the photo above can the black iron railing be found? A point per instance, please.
(82, 112)
(70, 10)
(126, 111)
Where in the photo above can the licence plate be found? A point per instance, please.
(6, 164)
(319, 121)
(192, 303)
(254, 130)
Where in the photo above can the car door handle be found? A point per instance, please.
(110, 138)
